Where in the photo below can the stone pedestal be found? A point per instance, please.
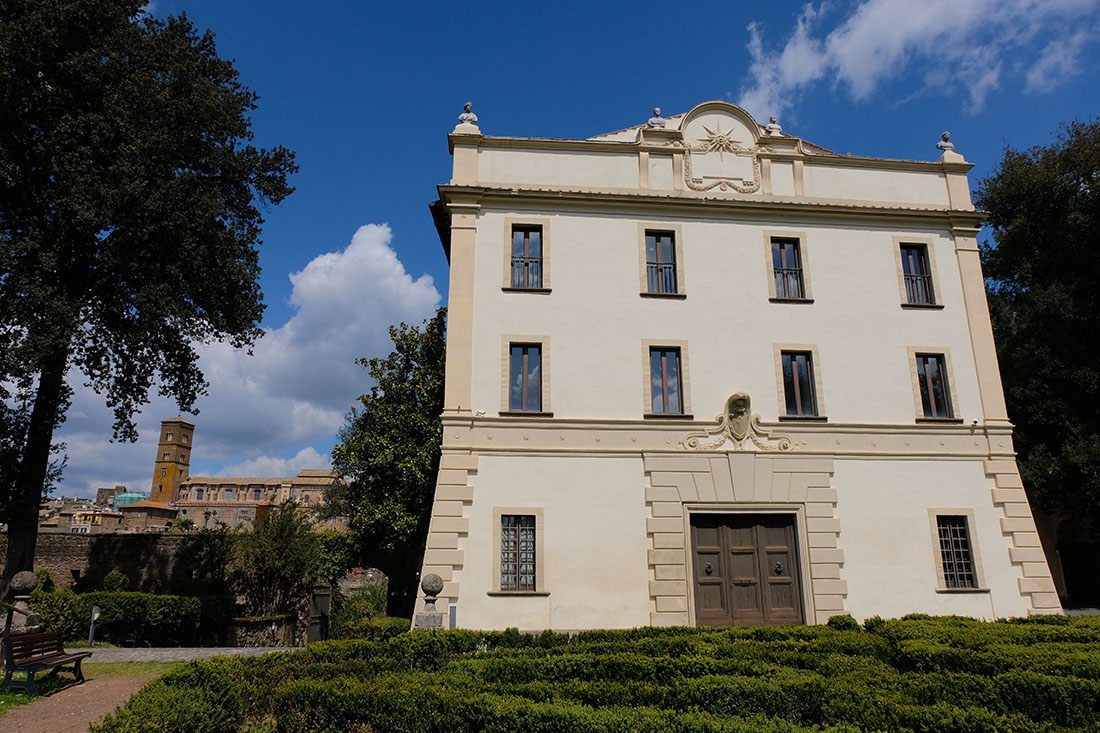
(429, 618)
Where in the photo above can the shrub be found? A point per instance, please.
(116, 581)
(125, 617)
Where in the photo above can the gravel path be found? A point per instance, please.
(72, 709)
(178, 654)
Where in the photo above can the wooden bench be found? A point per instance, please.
(32, 653)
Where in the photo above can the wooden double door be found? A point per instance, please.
(745, 570)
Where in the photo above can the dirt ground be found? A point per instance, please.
(72, 709)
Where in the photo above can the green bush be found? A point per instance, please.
(914, 674)
(116, 580)
(126, 617)
(355, 612)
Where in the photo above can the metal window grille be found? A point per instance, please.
(660, 262)
(526, 257)
(517, 552)
(955, 552)
(935, 392)
(787, 266)
(918, 276)
(798, 383)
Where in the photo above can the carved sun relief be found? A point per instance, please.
(737, 166)
(737, 424)
(719, 142)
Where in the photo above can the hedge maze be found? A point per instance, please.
(912, 674)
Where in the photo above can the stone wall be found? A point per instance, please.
(141, 557)
(266, 631)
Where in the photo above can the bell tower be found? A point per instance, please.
(173, 459)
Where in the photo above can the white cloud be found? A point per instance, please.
(955, 47)
(1060, 59)
(292, 392)
(273, 466)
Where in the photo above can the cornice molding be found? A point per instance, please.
(690, 204)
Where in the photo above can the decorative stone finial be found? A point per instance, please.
(468, 115)
(943, 144)
(23, 583)
(773, 127)
(429, 618)
(656, 120)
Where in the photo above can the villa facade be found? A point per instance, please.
(703, 372)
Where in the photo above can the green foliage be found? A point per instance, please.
(1043, 278)
(917, 674)
(126, 618)
(389, 457)
(275, 563)
(45, 580)
(130, 196)
(116, 580)
(357, 611)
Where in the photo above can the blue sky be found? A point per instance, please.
(366, 93)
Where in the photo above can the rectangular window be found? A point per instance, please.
(185, 438)
(229, 494)
(660, 261)
(918, 275)
(517, 552)
(168, 436)
(163, 472)
(198, 494)
(526, 256)
(956, 552)
(166, 456)
(525, 378)
(665, 385)
(935, 392)
(255, 495)
(787, 269)
(305, 498)
(798, 383)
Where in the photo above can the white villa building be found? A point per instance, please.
(703, 372)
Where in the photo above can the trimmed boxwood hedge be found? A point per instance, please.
(126, 618)
(912, 674)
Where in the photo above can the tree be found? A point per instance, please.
(389, 457)
(129, 189)
(276, 562)
(1043, 280)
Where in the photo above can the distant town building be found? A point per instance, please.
(105, 495)
(123, 498)
(237, 501)
(148, 516)
(173, 459)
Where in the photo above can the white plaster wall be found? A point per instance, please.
(594, 542)
(889, 544)
(867, 184)
(596, 320)
(660, 172)
(782, 178)
(558, 169)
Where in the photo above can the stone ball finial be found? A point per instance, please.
(432, 584)
(944, 143)
(24, 582)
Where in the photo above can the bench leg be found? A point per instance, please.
(76, 671)
(31, 689)
(7, 683)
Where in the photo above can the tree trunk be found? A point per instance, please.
(33, 469)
